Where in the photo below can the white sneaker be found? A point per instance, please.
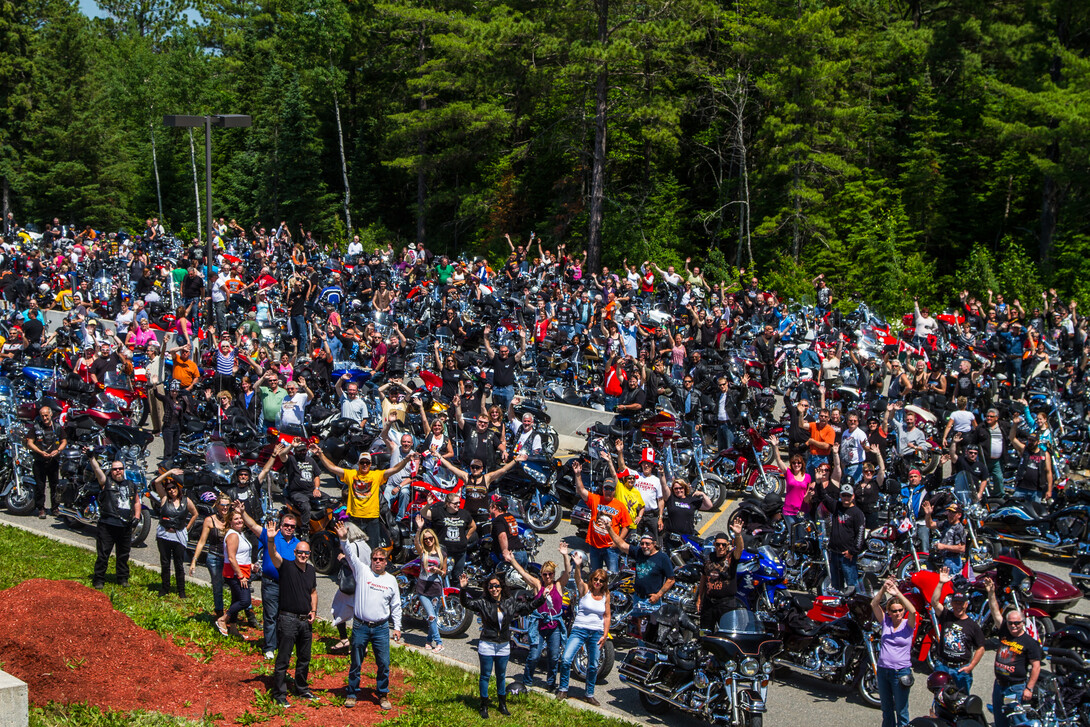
(270, 655)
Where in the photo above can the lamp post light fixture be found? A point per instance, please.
(224, 121)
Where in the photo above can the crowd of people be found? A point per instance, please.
(223, 356)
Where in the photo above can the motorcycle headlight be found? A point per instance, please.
(1025, 587)
(730, 666)
(767, 667)
(685, 458)
(750, 667)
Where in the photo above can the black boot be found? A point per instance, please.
(251, 619)
(484, 708)
(501, 702)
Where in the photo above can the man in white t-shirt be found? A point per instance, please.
(293, 410)
(853, 448)
(355, 248)
(650, 487)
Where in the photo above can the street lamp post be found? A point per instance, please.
(225, 121)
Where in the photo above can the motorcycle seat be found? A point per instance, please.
(1034, 510)
(607, 430)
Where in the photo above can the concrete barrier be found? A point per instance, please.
(574, 420)
(14, 701)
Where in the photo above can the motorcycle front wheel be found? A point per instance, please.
(543, 518)
(20, 501)
(454, 620)
(866, 684)
(754, 720)
(142, 528)
(769, 483)
(714, 489)
(323, 555)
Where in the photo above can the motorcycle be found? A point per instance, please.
(533, 483)
(721, 677)
(79, 506)
(742, 469)
(520, 636)
(1058, 533)
(842, 651)
(1080, 571)
(17, 493)
(453, 618)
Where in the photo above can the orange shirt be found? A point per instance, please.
(604, 515)
(826, 435)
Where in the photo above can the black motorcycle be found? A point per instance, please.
(843, 651)
(533, 483)
(721, 677)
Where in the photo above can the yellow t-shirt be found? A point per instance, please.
(631, 498)
(363, 492)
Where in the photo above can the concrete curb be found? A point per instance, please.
(442, 658)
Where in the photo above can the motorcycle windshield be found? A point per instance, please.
(739, 621)
(115, 380)
(768, 554)
(216, 453)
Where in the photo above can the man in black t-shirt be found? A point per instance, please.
(503, 366)
(118, 507)
(454, 526)
(298, 609)
(961, 640)
(654, 571)
(505, 533)
(303, 477)
(1017, 658)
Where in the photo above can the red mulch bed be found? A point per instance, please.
(69, 645)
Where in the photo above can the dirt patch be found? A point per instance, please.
(69, 644)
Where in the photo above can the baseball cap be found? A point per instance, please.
(647, 536)
(959, 596)
(365, 456)
(499, 501)
(953, 507)
(847, 490)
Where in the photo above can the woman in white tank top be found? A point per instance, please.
(589, 628)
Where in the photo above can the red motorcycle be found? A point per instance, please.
(742, 468)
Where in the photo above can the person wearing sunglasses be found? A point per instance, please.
(589, 628)
(377, 604)
(718, 589)
(213, 529)
(429, 584)
(298, 608)
(119, 507)
(1017, 658)
(497, 610)
(177, 513)
(898, 619)
(543, 625)
(606, 513)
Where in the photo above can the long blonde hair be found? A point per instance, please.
(428, 532)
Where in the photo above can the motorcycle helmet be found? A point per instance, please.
(43, 288)
(175, 386)
(938, 681)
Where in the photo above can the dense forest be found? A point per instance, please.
(900, 147)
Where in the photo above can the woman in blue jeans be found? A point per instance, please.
(898, 620)
(429, 584)
(497, 610)
(212, 532)
(543, 626)
(589, 628)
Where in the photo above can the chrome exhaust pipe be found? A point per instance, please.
(638, 686)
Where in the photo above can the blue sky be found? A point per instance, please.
(90, 9)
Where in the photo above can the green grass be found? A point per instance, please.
(435, 693)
